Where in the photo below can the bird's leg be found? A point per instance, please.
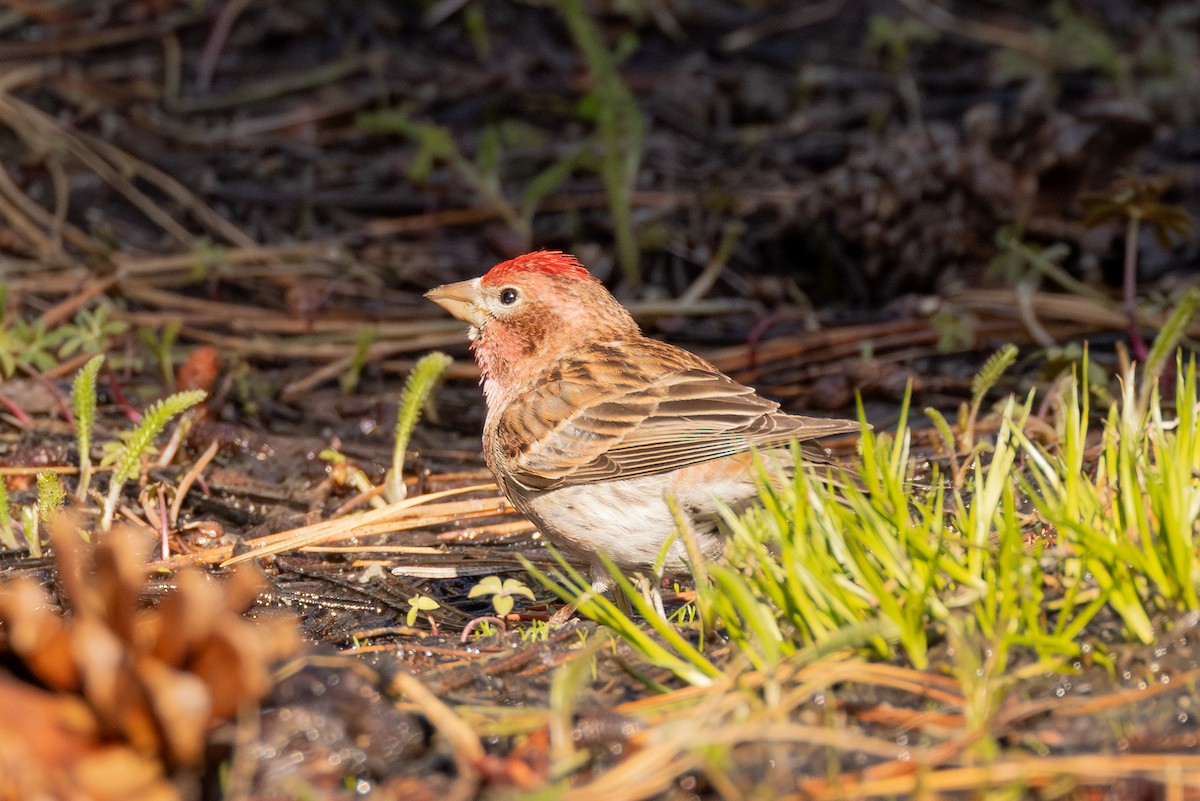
(601, 583)
(622, 602)
(651, 591)
(656, 597)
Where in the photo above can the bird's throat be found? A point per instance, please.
(506, 362)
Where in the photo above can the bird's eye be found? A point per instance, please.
(508, 296)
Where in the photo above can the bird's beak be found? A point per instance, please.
(460, 300)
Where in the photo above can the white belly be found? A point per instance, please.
(629, 520)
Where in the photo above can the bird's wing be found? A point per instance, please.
(579, 430)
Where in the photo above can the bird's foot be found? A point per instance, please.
(601, 583)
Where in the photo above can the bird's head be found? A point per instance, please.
(527, 313)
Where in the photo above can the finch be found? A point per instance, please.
(591, 425)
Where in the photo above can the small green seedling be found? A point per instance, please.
(346, 473)
(8, 537)
(83, 405)
(126, 456)
(160, 342)
(362, 350)
(418, 604)
(30, 346)
(50, 496)
(91, 332)
(1137, 201)
(417, 389)
(620, 127)
(436, 144)
(502, 592)
(30, 523)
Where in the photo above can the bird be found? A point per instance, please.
(591, 425)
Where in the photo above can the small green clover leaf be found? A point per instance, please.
(418, 604)
(502, 592)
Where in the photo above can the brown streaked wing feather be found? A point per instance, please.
(646, 424)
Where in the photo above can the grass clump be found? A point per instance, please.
(663, 646)
(1018, 558)
(1131, 523)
